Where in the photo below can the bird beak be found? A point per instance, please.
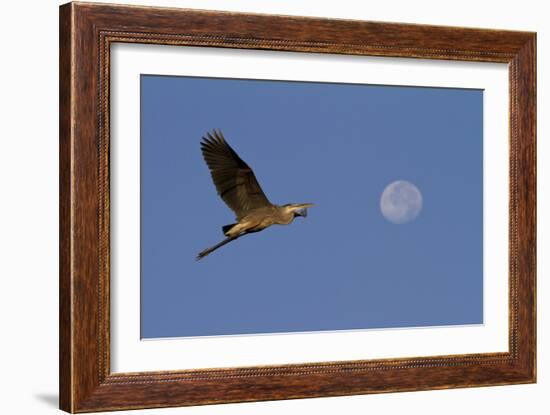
(302, 212)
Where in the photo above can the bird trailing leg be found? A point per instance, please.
(207, 251)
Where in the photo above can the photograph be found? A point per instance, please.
(260, 203)
(380, 188)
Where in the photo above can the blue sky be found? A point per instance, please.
(336, 145)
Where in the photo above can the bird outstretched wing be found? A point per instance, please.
(233, 178)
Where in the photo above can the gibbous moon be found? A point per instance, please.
(401, 202)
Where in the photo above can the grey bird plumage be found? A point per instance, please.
(238, 187)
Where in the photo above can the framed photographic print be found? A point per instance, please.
(258, 207)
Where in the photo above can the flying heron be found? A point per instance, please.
(239, 189)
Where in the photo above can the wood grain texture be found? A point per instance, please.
(65, 138)
(86, 33)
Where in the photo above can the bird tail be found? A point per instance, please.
(227, 228)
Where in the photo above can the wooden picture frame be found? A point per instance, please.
(86, 33)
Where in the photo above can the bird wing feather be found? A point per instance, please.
(234, 179)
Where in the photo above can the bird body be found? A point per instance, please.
(261, 218)
(237, 185)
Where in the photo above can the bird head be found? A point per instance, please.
(299, 209)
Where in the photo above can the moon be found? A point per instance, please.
(401, 202)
